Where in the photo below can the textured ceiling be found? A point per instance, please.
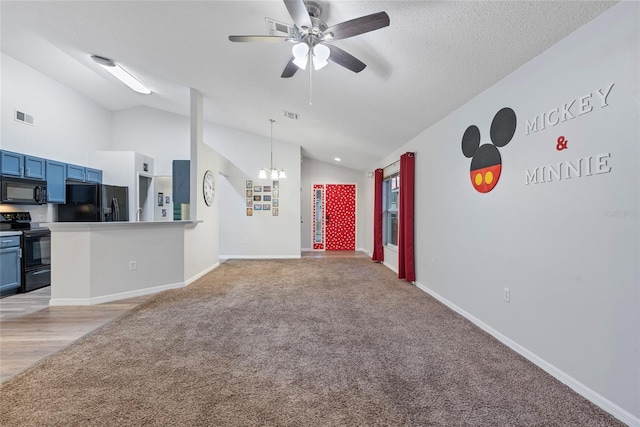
(434, 57)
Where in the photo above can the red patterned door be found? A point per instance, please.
(340, 216)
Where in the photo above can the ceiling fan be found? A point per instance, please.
(311, 35)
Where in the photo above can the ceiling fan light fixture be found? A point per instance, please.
(300, 53)
(121, 74)
(320, 56)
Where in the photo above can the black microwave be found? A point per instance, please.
(23, 191)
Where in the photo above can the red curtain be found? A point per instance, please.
(406, 262)
(378, 252)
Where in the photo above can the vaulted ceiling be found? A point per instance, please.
(434, 57)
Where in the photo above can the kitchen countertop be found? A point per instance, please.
(75, 226)
(9, 233)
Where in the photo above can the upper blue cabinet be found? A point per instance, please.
(83, 174)
(20, 165)
(56, 182)
(55, 173)
(94, 175)
(11, 164)
(34, 167)
(76, 173)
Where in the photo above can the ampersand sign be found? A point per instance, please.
(562, 144)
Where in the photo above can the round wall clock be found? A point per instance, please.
(208, 187)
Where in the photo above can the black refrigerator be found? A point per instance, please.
(94, 203)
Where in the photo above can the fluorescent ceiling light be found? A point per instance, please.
(121, 74)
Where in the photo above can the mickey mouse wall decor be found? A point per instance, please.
(486, 162)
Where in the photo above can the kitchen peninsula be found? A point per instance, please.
(97, 262)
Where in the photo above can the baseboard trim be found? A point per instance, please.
(365, 251)
(202, 273)
(552, 370)
(225, 257)
(390, 267)
(114, 297)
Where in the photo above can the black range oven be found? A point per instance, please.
(36, 258)
(35, 245)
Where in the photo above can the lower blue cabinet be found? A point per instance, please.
(9, 265)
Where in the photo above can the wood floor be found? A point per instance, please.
(334, 254)
(30, 330)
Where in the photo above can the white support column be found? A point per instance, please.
(196, 124)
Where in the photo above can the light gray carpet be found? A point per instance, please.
(310, 342)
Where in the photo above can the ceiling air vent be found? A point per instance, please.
(24, 117)
(290, 115)
(279, 29)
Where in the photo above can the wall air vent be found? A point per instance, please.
(23, 117)
(290, 115)
(279, 29)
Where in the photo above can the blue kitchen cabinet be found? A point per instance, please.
(56, 181)
(9, 265)
(83, 174)
(20, 165)
(75, 172)
(34, 167)
(94, 175)
(11, 164)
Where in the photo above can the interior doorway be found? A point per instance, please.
(334, 217)
(144, 211)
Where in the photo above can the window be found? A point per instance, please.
(390, 192)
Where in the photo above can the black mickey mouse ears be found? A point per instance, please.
(470, 141)
(503, 127)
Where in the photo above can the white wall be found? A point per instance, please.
(261, 235)
(569, 249)
(66, 125)
(159, 134)
(317, 172)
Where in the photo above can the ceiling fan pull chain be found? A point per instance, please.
(310, 86)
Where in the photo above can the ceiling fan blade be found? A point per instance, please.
(299, 13)
(290, 69)
(345, 59)
(268, 39)
(356, 26)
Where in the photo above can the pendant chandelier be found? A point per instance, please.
(273, 172)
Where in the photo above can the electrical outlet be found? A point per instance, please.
(133, 265)
(41, 217)
(507, 295)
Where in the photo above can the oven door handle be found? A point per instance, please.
(42, 272)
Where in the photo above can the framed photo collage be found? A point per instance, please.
(262, 198)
